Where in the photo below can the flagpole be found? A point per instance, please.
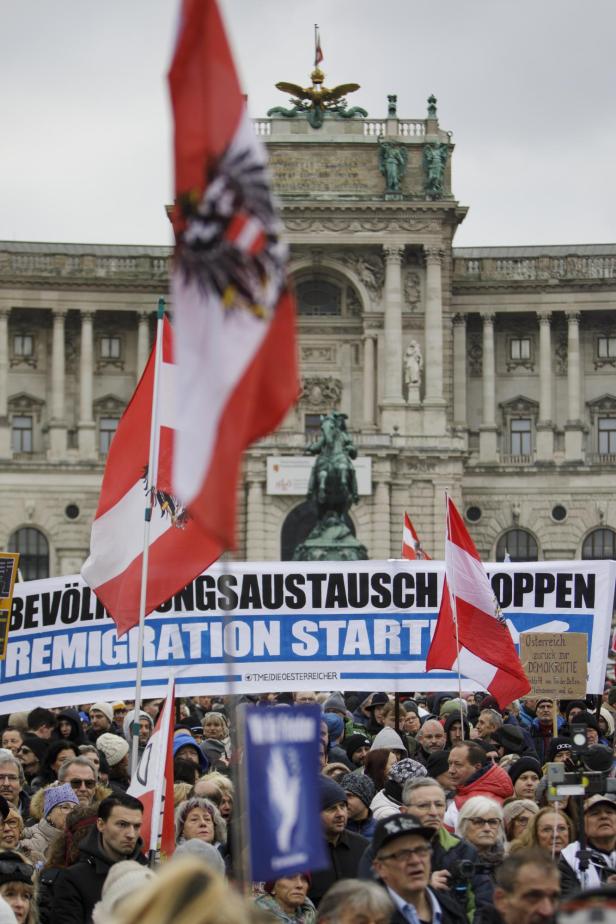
(452, 600)
(149, 503)
(316, 34)
(160, 773)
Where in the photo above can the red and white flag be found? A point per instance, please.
(234, 316)
(152, 783)
(318, 53)
(179, 550)
(411, 546)
(487, 653)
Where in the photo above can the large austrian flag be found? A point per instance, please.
(178, 548)
(234, 316)
(486, 651)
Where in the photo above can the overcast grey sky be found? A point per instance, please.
(526, 86)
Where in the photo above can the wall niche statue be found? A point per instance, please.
(413, 365)
(392, 164)
(435, 159)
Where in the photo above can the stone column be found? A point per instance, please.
(393, 324)
(369, 383)
(434, 403)
(5, 426)
(346, 374)
(57, 422)
(459, 370)
(255, 545)
(87, 427)
(381, 510)
(487, 431)
(573, 427)
(545, 431)
(143, 341)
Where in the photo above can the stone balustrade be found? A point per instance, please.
(408, 129)
(551, 266)
(27, 263)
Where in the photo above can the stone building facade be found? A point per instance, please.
(486, 372)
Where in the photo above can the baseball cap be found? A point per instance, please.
(599, 798)
(389, 829)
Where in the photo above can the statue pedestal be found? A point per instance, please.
(331, 540)
(412, 398)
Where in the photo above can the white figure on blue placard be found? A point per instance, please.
(283, 782)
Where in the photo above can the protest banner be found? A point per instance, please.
(555, 663)
(284, 626)
(9, 563)
(281, 765)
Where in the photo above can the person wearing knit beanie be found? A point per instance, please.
(560, 749)
(437, 764)
(61, 797)
(207, 853)
(525, 773)
(113, 747)
(101, 720)
(344, 848)
(357, 748)
(360, 792)
(123, 880)
(336, 703)
(453, 706)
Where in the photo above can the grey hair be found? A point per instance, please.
(355, 895)
(80, 762)
(495, 717)
(418, 783)
(11, 759)
(183, 809)
(478, 807)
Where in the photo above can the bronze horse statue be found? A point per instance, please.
(333, 483)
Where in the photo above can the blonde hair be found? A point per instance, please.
(223, 782)
(181, 792)
(528, 837)
(185, 892)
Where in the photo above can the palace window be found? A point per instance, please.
(519, 348)
(606, 347)
(110, 348)
(520, 436)
(33, 551)
(606, 432)
(600, 543)
(23, 345)
(312, 426)
(21, 433)
(107, 427)
(517, 545)
(317, 296)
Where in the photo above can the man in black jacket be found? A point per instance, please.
(402, 854)
(115, 838)
(344, 848)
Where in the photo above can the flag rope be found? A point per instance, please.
(150, 495)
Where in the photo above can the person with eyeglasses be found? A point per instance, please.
(481, 823)
(402, 864)
(81, 774)
(12, 783)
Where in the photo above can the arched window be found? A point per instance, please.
(318, 296)
(600, 543)
(518, 544)
(297, 527)
(33, 551)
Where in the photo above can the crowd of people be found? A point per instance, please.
(434, 809)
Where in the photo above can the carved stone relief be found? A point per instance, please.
(321, 392)
(318, 354)
(475, 357)
(412, 293)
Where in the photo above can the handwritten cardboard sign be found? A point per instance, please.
(555, 663)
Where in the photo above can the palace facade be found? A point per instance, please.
(488, 372)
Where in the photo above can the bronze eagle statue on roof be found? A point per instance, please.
(318, 100)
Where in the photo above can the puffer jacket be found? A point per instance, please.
(36, 840)
(491, 781)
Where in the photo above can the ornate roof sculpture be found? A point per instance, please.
(318, 101)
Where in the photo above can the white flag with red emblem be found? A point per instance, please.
(234, 316)
(411, 546)
(179, 549)
(484, 650)
(152, 783)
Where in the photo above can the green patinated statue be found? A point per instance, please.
(318, 101)
(332, 488)
(392, 163)
(435, 160)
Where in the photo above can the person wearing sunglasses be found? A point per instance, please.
(81, 774)
(402, 864)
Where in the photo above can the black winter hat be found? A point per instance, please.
(523, 765)
(557, 745)
(511, 738)
(437, 763)
(378, 699)
(354, 743)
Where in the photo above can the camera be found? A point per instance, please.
(462, 871)
(584, 773)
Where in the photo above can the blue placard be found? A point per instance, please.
(281, 763)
